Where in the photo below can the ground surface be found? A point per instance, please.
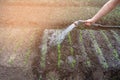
(21, 33)
(84, 55)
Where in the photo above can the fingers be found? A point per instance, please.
(89, 22)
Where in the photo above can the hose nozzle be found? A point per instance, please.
(77, 23)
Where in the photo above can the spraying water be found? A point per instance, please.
(58, 38)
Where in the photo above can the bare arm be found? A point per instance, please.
(109, 6)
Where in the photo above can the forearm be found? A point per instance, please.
(109, 6)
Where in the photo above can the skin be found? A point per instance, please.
(108, 7)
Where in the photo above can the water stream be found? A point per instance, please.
(57, 38)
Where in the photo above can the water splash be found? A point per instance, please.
(58, 38)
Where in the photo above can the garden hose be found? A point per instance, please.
(95, 26)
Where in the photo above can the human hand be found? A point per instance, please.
(89, 22)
